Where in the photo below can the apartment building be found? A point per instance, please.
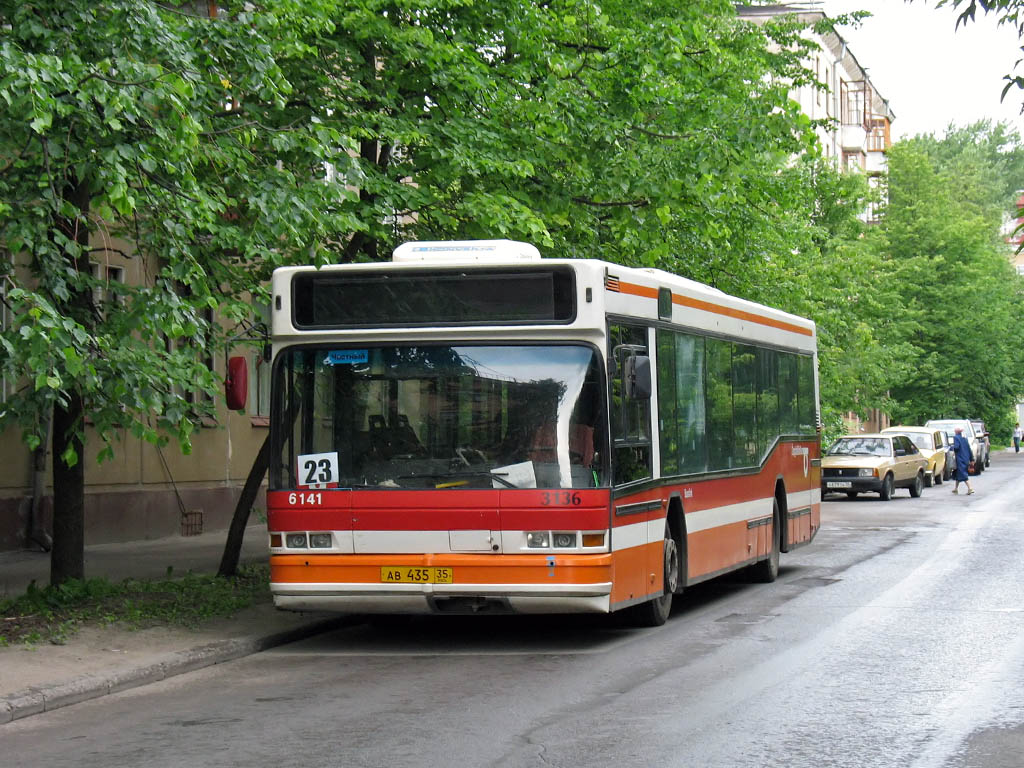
(853, 119)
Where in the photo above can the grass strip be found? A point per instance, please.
(52, 614)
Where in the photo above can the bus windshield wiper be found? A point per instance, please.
(484, 473)
(480, 473)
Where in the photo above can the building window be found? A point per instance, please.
(817, 76)
(827, 93)
(853, 161)
(855, 99)
(104, 277)
(878, 137)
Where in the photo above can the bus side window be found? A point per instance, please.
(631, 418)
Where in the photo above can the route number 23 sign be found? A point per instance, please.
(318, 470)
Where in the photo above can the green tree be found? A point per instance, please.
(121, 125)
(837, 278)
(648, 133)
(960, 302)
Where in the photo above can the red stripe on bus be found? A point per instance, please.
(320, 519)
(527, 509)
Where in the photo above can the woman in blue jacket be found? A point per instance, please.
(962, 451)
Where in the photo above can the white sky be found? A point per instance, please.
(931, 73)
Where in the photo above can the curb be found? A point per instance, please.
(33, 701)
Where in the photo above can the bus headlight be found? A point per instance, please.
(320, 540)
(295, 541)
(538, 539)
(565, 540)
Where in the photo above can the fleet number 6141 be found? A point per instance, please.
(298, 497)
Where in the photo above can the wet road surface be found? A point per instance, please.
(896, 639)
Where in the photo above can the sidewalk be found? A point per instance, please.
(102, 660)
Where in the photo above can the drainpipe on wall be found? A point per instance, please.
(34, 532)
(837, 107)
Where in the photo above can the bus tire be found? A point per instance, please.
(767, 570)
(654, 613)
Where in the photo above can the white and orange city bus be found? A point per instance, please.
(471, 428)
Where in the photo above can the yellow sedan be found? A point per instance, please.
(932, 446)
(873, 463)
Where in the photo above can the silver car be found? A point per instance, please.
(983, 443)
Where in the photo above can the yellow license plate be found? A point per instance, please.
(402, 574)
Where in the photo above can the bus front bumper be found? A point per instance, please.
(427, 598)
(481, 584)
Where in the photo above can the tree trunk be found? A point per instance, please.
(67, 558)
(236, 532)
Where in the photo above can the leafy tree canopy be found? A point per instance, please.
(119, 134)
(960, 302)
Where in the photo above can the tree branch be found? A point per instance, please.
(639, 203)
(107, 249)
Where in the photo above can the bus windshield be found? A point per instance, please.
(435, 416)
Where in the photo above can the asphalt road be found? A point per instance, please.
(894, 640)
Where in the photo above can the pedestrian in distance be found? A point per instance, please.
(964, 457)
(1018, 435)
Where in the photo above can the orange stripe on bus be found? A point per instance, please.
(718, 309)
(469, 569)
(638, 290)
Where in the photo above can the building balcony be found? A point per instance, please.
(853, 137)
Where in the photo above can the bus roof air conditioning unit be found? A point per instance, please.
(465, 251)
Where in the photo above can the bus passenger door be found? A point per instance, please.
(630, 414)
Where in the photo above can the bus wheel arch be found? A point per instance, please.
(783, 519)
(654, 613)
(767, 570)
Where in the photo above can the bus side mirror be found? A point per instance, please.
(637, 376)
(236, 383)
